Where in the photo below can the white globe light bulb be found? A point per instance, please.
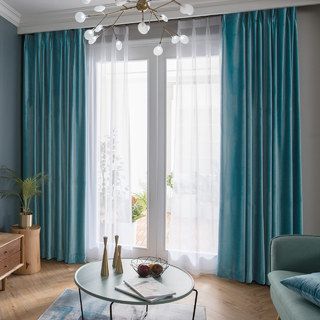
(119, 45)
(85, 1)
(175, 39)
(187, 9)
(158, 50)
(164, 18)
(99, 8)
(184, 39)
(93, 40)
(89, 34)
(120, 3)
(98, 28)
(143, 28)
(80, 17)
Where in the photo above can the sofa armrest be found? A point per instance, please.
(295, 253)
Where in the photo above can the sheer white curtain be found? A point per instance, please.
(195, 134)
(108, 199)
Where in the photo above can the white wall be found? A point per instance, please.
(309, 45)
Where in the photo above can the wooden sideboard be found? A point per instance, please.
(11, 255)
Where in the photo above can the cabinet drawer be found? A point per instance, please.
(10, 263)
(10, 249)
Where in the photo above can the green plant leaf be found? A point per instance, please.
(27, 188)
(139, 206)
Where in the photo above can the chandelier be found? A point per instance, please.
(148, 13)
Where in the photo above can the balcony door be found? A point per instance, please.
(137, 182)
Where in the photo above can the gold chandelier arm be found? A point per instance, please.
(119, 16)
(112, 25)
(169, 31)
(177, 2)
(155, 13)
(114, 33)
(122, 11)
(162, 36)
(105, 17)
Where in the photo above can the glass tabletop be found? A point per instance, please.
(89, 280)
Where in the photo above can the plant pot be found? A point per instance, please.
(25, 220)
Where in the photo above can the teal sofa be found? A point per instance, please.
(291, 256)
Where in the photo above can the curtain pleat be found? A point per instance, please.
(54, 138)
(261, 187)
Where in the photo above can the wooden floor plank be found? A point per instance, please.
(27, 297)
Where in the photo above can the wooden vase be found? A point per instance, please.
(104, 265)
(115, 255)
(119, 269)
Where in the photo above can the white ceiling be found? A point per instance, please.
(27, 7)
(47, 15)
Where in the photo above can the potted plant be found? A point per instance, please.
(139, 210)
(139, 206)
(24, 189)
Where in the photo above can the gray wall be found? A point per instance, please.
(10, 112)
(309, 46)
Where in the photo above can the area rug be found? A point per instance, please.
(67, 307)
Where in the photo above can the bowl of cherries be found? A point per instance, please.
(149, 266)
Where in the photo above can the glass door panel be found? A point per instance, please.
(192, 155)
(138, 107)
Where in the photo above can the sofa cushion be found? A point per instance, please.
(307, 285)
(289, 304)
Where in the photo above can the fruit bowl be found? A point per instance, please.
(149, 266)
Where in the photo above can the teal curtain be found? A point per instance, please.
(261, 192)
(54, 138)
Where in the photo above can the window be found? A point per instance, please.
(138, 107)
(196, 155)
(111, 164)
(154, 147)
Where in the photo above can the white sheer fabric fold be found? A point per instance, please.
(108, 202)
(193, 234)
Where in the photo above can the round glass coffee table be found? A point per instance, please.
(89, 280)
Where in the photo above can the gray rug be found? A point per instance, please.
(67, 307)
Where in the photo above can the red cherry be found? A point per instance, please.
(143, 270)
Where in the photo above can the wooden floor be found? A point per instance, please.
(27, 297)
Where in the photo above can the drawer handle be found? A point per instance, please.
(5, 252)
(5, 267)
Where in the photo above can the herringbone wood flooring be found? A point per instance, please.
(27, 297)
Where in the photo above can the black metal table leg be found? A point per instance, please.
(111, 304)
(147, 307)
(195, 304)
(82, 317)
(146, 313)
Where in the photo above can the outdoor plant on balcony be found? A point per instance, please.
(139, 206)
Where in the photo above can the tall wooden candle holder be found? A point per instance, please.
(104, 265)
(115, 255)
(119, 269)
